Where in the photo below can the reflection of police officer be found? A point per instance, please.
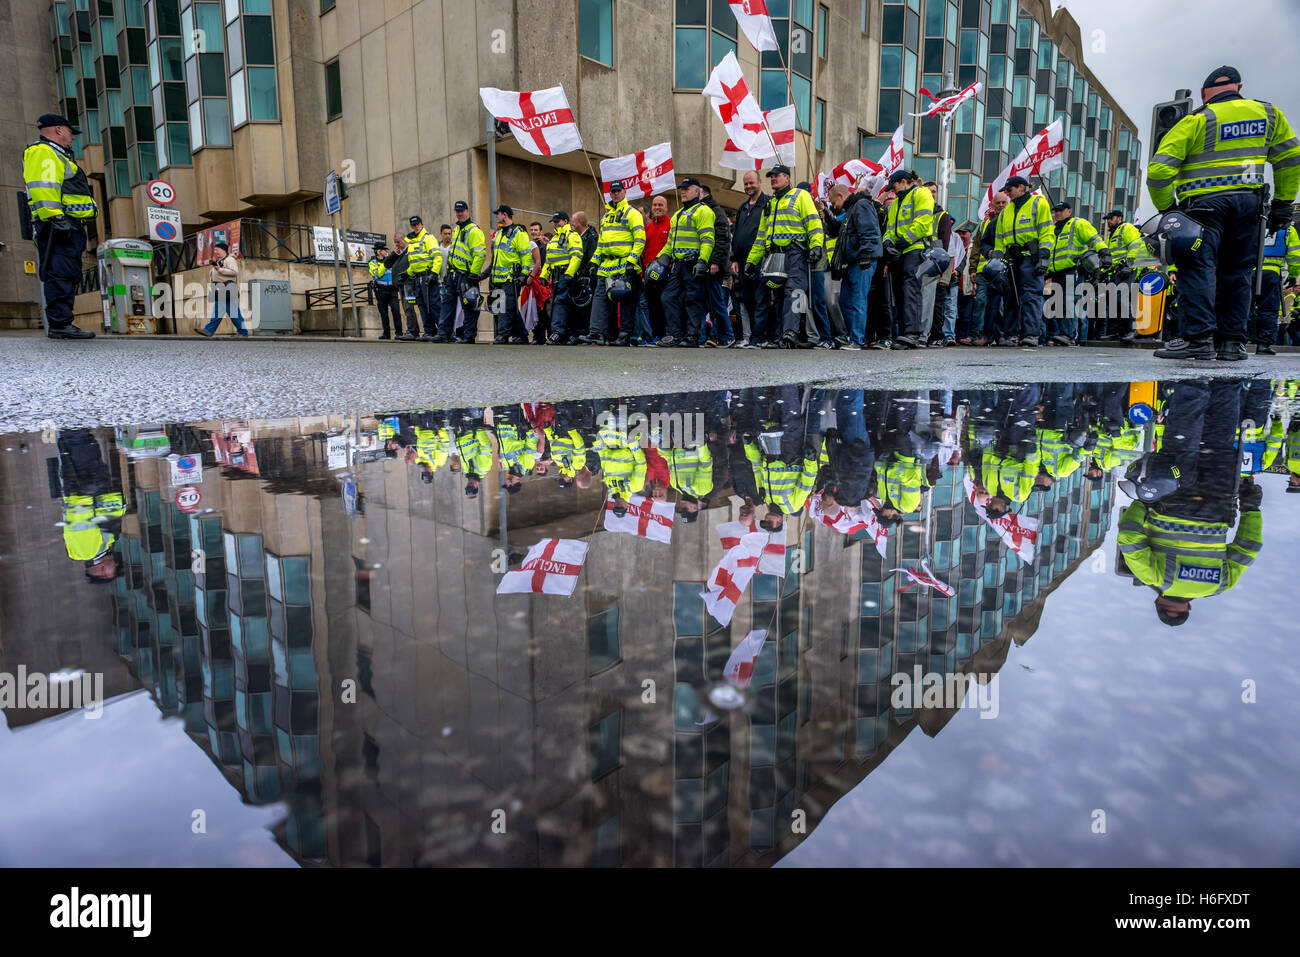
(1211, 164)
(92, 508)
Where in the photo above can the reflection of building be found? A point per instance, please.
(582, 724)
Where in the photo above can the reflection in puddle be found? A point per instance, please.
(645, 630)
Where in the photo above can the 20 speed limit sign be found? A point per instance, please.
(188, 498)
(160, 191)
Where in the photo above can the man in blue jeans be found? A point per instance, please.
(857, 252)
(223, 280)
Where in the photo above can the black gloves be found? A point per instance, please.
(1124, 271)
(1250, 496)
(60, 224)
(751, 270)
(890, 250)
(1279, 215)
(1044, 261)
(700, 269)
(1104, 255)
(815, 257)
(632, 271)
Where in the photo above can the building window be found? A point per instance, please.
(596, 30)
(823, 28)
(602, 640)
(704, 32)
(605, 744)
(326, 6)
(786, 73)
(819, 139)
(333, 91)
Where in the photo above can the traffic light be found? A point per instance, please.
(1165, 116)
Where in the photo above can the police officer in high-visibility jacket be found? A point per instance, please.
(58, 195)
(790, 224)
(465, 271)
(1025, 239)
(1211, 165)
(909, 227)
(473, 453)
(1283, 262)
(563, 260)
(689, 248)
(1174, 537)
(618, 256)
(381, 281)
(1293, 455)
(92, 507)
(1128, 253)
(622, 463)
(1074, 237)
(423, 266)
(512, 262)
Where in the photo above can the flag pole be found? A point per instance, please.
(789, 87)
(600, 190)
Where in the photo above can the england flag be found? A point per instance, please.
(541, 120)
(551, 567)
(739, 668)
(644, 173)
(644, 518)
(729, 579)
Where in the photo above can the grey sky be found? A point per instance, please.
(1152, 47)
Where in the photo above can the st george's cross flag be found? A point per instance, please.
(947, 106)
(541, 120)
(731, 576)
(1042, 154)
(756, 21)
(850, 521)
(925, 579)
(739, 669)
(645, 518)
(851, 172)
(729, 95)
(644, 173)
(773, 558)
(1018, 532)
(551, 567)
(780, 124)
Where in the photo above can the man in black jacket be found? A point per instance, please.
(752, 295)
(857, 252)
(720, 334)
(396, 261)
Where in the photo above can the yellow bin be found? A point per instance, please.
(1149, 313)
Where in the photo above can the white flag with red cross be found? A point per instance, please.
(739, 669)
(756, 21)
(1042, 154)
(541, 120)
(773, 557)
(947, 105)
(645, 518)
(851, 172)
(551, 567)
(729, 579)
(642, 174)
(729, 94)
(780, 124)
(890, 162)
(1019, 532)
(850, 521)
(924, 578)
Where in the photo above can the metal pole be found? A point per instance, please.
(947, 134)
(356, 318)
(492, 160)
(338, 288)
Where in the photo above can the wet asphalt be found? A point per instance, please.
(122, 380)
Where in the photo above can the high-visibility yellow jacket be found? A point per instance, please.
(1057, 457)
(1293, 447)
(468, 249)
(787, 218)
(1224, 146)
(901, 481)
(1263, 444)
(475, 450)
(622, 240)
(432, 447)
(86, 534)
(909, 221)
(690, 470)
(423, 254)
(1009, 476)
(1288, 263)
(512, 257)
(691, 231)
(563, 253)
(1187, 557)
(381, 274)
(568, 450)
(1113, 451)
(517, 450)
(1126, 245)
(622, 464)
(1025, 222)
(1071, 241)
(56, 185)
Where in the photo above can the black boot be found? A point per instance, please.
(1232, 351)
(1202, 348)
(1264, 349)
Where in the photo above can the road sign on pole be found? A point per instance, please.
(164, 224)
(333, 201)
(161, 192)
(188, 499)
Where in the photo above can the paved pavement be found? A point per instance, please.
(119, 380)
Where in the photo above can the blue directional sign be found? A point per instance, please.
(1141, 413)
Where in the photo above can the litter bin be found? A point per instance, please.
(126, 285)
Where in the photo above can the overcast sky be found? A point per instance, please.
(1152, 47)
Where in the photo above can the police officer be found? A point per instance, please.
(790, 225)
(512, 259)
(423, 264)
(563, 259)
(381, 281)
(618, 257)
(465, 272)
(92, 506)
(1126, 253)
(1263, 321)
(909, 223)
(1074, 239)
(690, 247)
(1025, 239)
(1211, 164)
(60, 201)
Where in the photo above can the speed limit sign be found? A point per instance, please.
(160, 191)
(188, 498)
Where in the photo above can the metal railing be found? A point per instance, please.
(326, 297)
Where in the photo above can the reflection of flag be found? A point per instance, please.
(754, 19)
(730, 577)
(947, 105)
(551, 567)
(773, 558)
(852, 520)
(541, 121)
(740, 666)
(643, 173)
(645, 518)
(1020, 533)
(729, 95)
(924, 578)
